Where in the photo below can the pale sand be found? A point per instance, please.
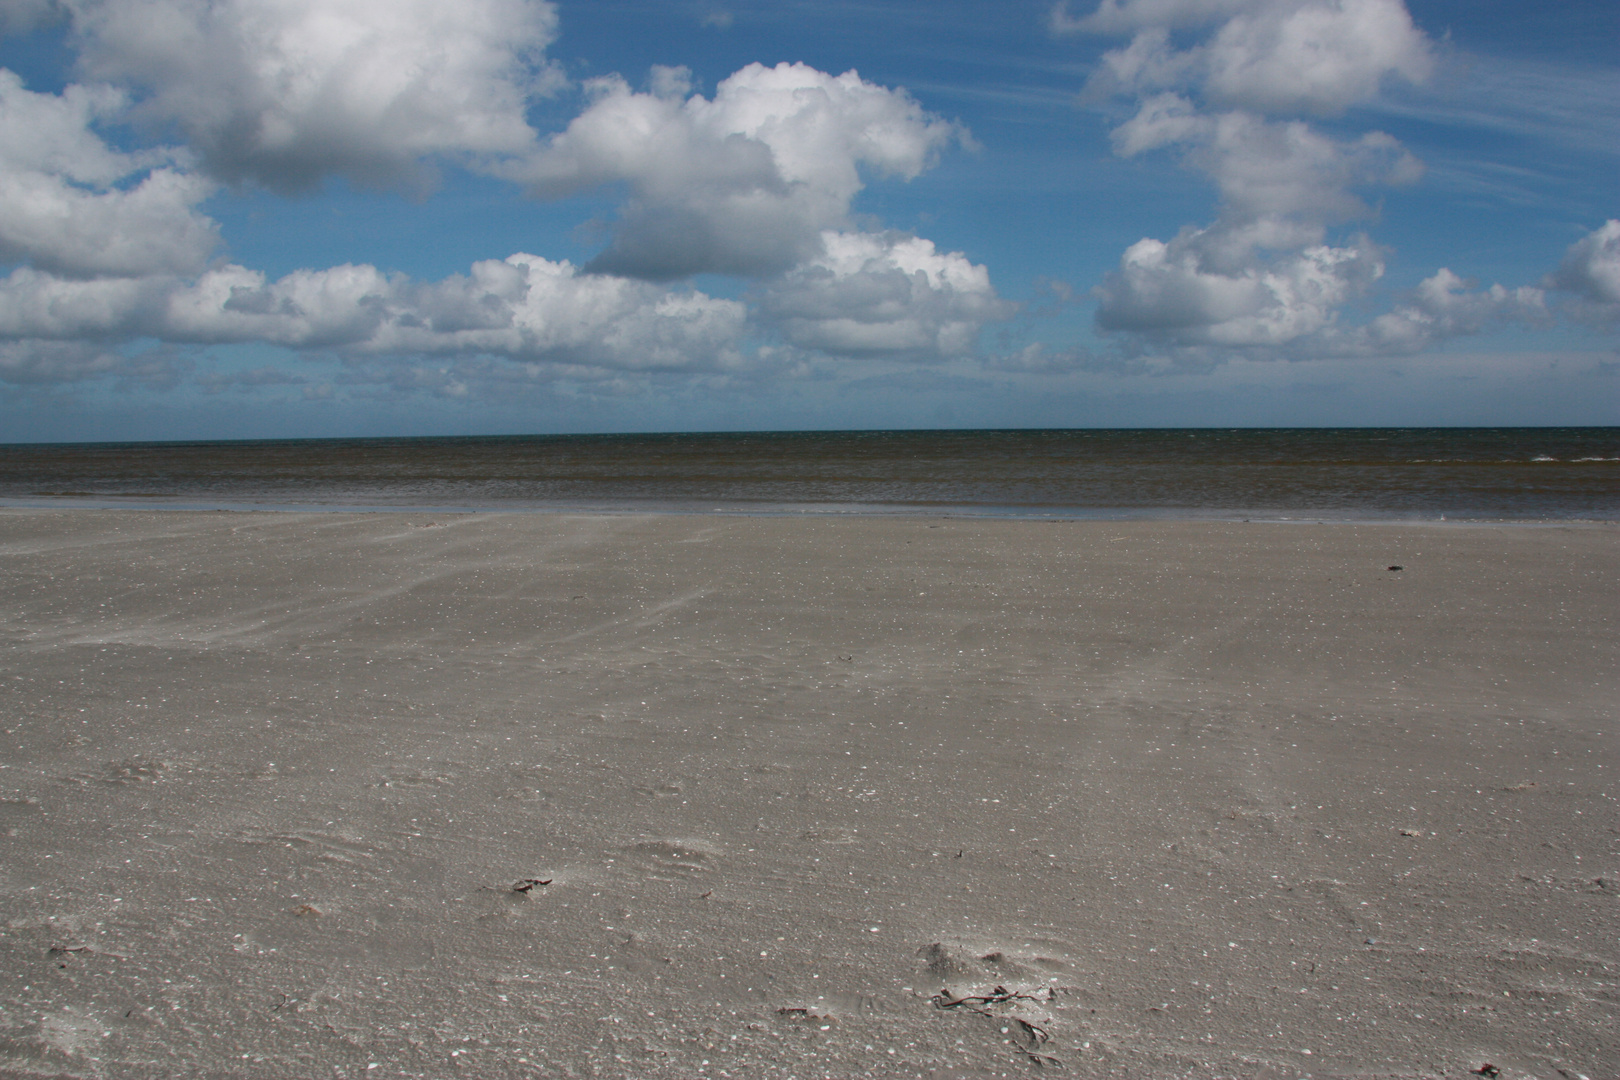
(1227, 799)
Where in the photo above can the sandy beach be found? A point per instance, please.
(513, 795)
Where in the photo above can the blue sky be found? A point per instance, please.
(224, 218)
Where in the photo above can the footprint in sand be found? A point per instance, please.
(16, 809)
(676, 860)
(662, 791)
(128, 771)
(1030, 962)
(413, 778)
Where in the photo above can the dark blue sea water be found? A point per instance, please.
(1361, 473)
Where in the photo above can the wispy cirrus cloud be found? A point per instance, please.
(1573, 105)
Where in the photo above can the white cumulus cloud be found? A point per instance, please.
(873, 294)
(105, 251)
(1172, 293)
(743, 183)
(1223, 82)
(1269, 170)
(1320, 56)
(1272, 56)
(1441, 307)
(35, 304)
(67, 203)
(285, 92)
(1590, 271)
(521, 307)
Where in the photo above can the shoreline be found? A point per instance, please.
(1160, 515)
(1204, 799)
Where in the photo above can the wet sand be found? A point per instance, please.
(333, 795)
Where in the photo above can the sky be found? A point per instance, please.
(292, 218)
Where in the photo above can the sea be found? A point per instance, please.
(1370, 474)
